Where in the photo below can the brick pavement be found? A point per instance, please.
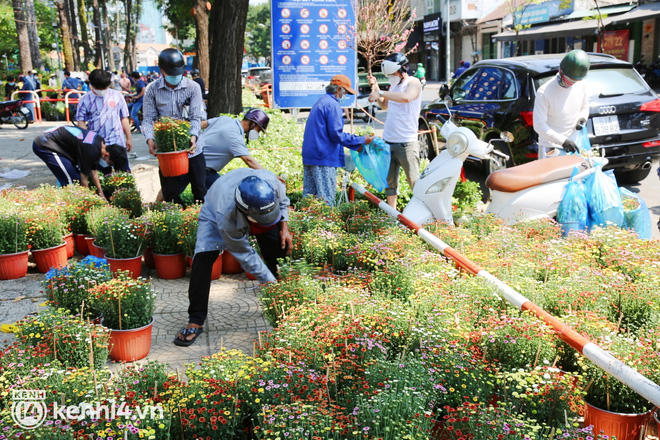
(234, 314)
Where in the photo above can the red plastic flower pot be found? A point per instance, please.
(132, 265)
(13, 266)
(173, 164)
(230, 264)
(621, 426)
(94, 250)
(50, 257)
(250, 276)
(81, 244)
(70, 245)
(130, 345)
(216, 270)
(170, 267)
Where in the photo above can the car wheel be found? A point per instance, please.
(500, 163)
(426, 147)
(634, 176)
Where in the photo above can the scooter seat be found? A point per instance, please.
(535, 173)
(8, 103)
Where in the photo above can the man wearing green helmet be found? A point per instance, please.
(561, 108)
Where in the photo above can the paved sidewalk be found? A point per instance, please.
(234, 314)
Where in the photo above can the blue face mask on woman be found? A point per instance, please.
(173, 79)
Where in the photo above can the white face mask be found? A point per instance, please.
(253, 135)
(99, 92)
(394, 80)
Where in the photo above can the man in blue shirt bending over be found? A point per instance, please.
(324, 141)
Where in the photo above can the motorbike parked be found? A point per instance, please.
(14, 112)
(531, 190)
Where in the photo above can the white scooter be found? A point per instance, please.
(531, 190)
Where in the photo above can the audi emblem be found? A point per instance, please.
(606, 110)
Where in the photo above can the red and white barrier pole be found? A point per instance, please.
(604, 360)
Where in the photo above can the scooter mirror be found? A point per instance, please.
(443, 91)
(506, 136)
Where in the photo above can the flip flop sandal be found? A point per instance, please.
(187, 332)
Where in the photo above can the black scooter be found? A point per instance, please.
(14, 112)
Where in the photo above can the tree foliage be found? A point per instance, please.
(257, 31)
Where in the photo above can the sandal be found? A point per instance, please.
(187, 332)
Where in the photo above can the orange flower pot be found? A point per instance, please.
(230, 264)
(13, 266)
(216, 271)
(250, 276)
(170, 267)
(70, 245)
(149, 258)
(132, 265)
(81, 244)
(173, 164)
(50, 257)
(622, 426)
(130, 345)
(94, 250)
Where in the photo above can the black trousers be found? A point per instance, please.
(200, 273)
(173, 186)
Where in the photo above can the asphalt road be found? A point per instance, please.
(16, 154)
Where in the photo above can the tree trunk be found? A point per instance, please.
(202, 40)
(98, 35)
(75, 40)
(66, 34)
(22, 36)
(84, 36)
(225, 70)
(133, 10)
(109, 59)
(35, 54)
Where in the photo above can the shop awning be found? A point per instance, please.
(647, 10)
(576, 28)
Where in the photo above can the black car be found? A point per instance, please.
(498, 95)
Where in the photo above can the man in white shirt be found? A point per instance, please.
(561, 107)
(403, 100)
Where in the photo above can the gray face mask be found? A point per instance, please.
(253, 135)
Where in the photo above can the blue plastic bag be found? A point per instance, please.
(637, 216)
(373, 162)
(573, 213)
(604, 201)
(583, 142)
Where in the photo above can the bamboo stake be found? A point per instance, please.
(536, 359)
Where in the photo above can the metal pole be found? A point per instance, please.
(603, 359)
(447, 45)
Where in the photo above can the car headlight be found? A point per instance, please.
(457, 143)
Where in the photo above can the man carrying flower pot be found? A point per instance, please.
(73, 154)
(241, 203)
(167, 97)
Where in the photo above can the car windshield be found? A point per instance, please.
(608, 82)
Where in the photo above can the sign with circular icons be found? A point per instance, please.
(286, 44)
(324, 59)
(342, 44)
(304, 29)
(286, 59)
(323, 13)
(286, 13)
(341, 29)
(323, 44)
(304, 44)
(286, 28)
(305, 59)
(342, 59)
(342, 13)
(304, 12)
(323, 29)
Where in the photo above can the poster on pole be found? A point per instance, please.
(310, 42)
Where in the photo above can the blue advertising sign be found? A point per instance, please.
(543, 12)
(311, 42)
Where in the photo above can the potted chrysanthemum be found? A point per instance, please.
(172, 137)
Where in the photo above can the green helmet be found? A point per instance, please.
(575, 64)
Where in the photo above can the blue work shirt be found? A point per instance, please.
(72, 83)
(222, 226)
(223, 140)
(324, 137)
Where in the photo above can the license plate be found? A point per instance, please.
(25, 111)
(604, 125)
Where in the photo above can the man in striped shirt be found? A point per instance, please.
(167, 97)
(104, 111)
